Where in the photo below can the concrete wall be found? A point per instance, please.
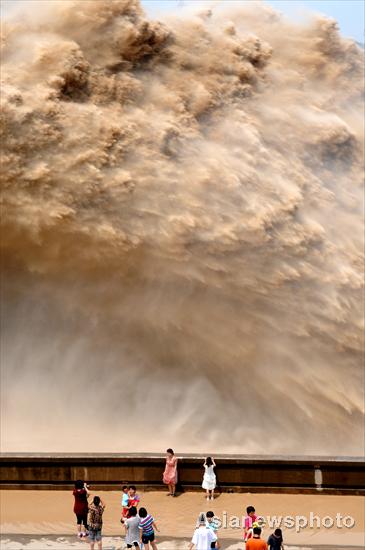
(234, 473)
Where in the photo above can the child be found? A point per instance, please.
(125, 500)
(275, 540)
(131, 525)
(133, 498)
(212, 523)
(250, 519)
(96, 511)
(146, 526)
(81, 494)
(209, 479)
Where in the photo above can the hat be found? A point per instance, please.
(202, 519)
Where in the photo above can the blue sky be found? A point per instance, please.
(348, 13)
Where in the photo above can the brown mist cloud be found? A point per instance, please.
(182, 243)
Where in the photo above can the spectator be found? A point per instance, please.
(275, 541)
(209, 479)
(249, 521)
(213, 524)
(133, 498)
(125, 501)
(81, 494)
(256, 543)
(203, 535)
(96, 511)
(147, 527)
(131, 525)
(170, 473)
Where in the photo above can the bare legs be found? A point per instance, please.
(172, 488)
(100, 545)
(80, 533)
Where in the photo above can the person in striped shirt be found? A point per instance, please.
(147, 527)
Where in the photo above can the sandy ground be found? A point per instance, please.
(44, 519)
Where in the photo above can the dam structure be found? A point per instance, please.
(235, 473)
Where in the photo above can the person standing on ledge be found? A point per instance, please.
(170, 473)
(209, 479)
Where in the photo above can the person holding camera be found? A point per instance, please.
(96, 511)
(81, 507)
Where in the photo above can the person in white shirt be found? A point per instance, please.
(203, 536)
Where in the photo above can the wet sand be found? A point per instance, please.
(116, 543)
(45, 519)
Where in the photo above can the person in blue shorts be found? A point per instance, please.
(96, 511)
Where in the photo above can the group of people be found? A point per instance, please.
(90, 517)
(206, 533)
(253, 531)
(140, 526)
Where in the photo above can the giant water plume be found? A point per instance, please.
(182, 244)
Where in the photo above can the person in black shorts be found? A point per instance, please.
(81, 507)
(147, 528)
(131, 524)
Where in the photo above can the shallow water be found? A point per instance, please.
(47, 515)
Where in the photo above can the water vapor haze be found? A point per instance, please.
(182, 236)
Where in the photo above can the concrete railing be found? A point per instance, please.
(234, 473)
